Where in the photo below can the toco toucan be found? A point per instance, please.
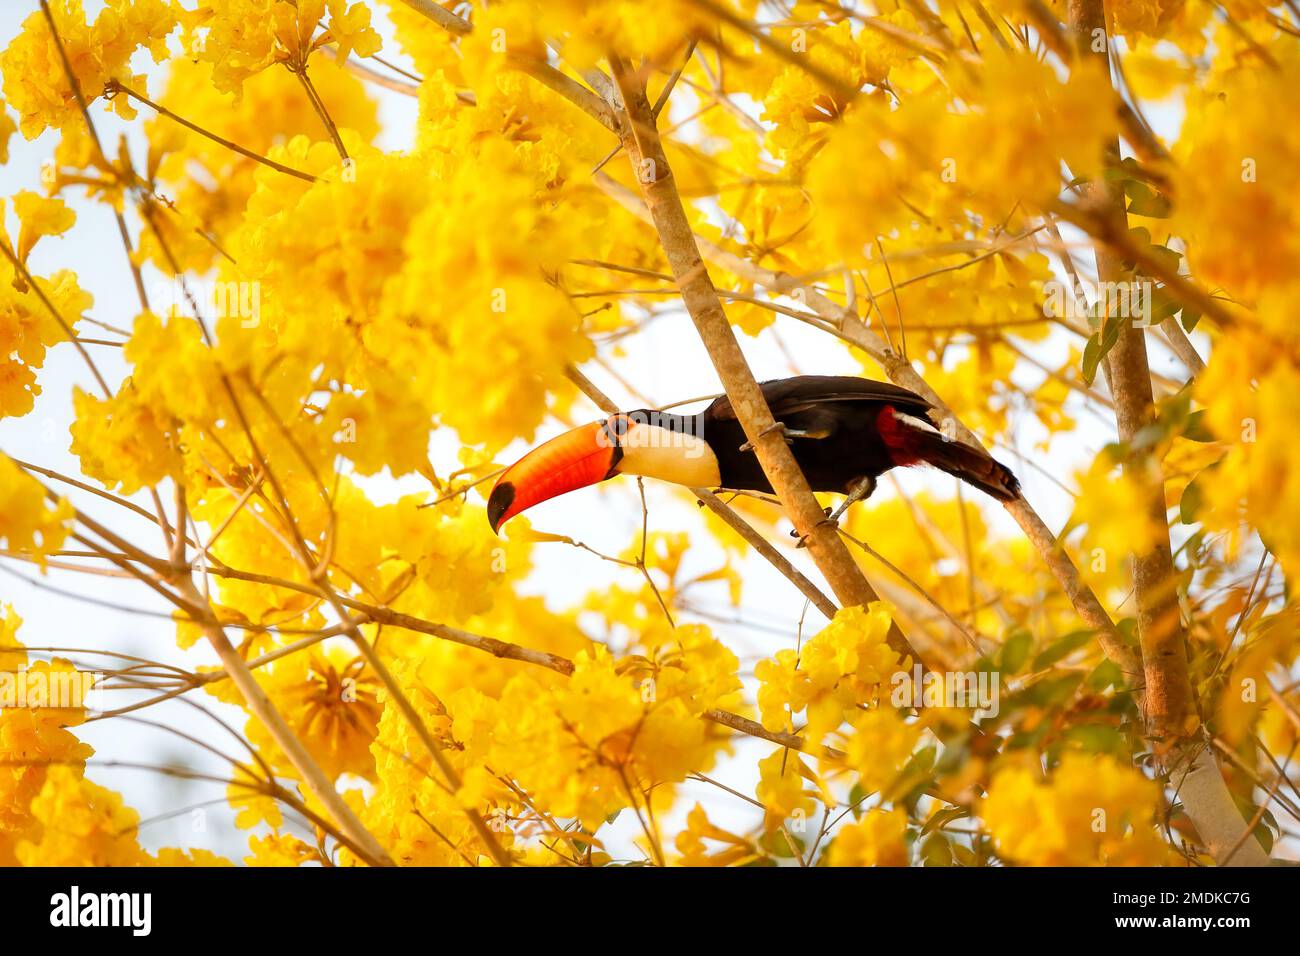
(844, 432)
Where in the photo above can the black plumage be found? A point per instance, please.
(841, 430)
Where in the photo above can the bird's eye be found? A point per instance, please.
(615, 430)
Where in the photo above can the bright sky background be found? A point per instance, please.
(666, 363)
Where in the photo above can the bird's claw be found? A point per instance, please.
(789, 435)
(803, 538)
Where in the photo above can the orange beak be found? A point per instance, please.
(571, 461)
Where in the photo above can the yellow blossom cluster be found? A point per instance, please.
(875, 840)
(1110, 509)
(34, 739)
(35, 82)
(240, 38)
(28, 327)
(1091, 811)
(610, 734)
(28, 523)
(1232, 184)
(50, 814)
(840, 667)
(1233, 180)
(1002, 145)
(210, 184)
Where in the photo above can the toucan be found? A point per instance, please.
(845, 432)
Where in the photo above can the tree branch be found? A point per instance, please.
(645, 149)
(1169, 704)
(852, 329)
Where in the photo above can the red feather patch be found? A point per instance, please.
(898, 437)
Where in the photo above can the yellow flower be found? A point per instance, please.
(28, 329)
(350, 29)
(82, 824)
(33, 739)
(1112, 508)
(1138, 17)
(412, 812)
(1235, 204)
(123, 442)
(279, 849)
(1255, 485)
(35, 81)
(838, 669)
(1091, 811)
(252, 806)
(272, 109)
(690, 843)
(27, 523)
(32, 742)
(174, 856)
(995, 140)
(875, 840)
(330, 701)
(7, 129)
(781, 787)
(39, 217)
(880, 746)
(600, 741)
(243, 37)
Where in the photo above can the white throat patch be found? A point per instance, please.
(655, 452)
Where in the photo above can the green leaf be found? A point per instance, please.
(1104, 675)
(1141, 237)
(777, 844)
(965, 856)
(1195, 429)
(1094, 352)
(857, 796)
(1048, 693)
(1170, 257)
(944, 816)
(1095, 738)
(956, 751)
(1145, 201)
(1163, 305)
(1028, 739)
(1125, 171)
(922, 761)
(1268, 826)
(1015, 651)
(1128, 629)
(1061, 648)
(1190, 318)
(1265, 837)
(1190, 503)
(1150, 435)
(936, 851)
(1091, 358)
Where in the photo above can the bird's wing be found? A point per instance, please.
(788, 397)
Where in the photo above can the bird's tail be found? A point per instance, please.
(971, 465)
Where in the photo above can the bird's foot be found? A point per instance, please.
(803, 538)
(789, 434)
(860, 491)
